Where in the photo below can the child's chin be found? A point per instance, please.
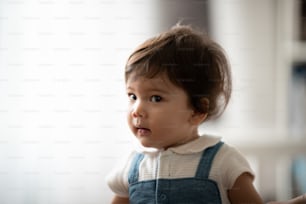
(146, 144)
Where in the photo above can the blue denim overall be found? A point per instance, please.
(193, 190)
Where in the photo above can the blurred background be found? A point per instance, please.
(62, 98)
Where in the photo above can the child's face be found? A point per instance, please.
(159, 114)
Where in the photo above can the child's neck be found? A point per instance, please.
(188, 139)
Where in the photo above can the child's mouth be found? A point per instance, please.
(143, 131)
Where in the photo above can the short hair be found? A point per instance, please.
(192, 61)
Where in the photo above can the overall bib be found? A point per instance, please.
(192, 190)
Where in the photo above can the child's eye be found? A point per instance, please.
(156, 98)
(132, 97)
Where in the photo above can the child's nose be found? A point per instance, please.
(138, 109)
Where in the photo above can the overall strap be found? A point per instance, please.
(206, 161)
(134, 169)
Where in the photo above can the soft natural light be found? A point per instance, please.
(63, 102)
(62, 99)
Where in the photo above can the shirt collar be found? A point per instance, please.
(195, 146)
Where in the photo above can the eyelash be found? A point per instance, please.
(156, 96)
(153, 98)
(132, 96)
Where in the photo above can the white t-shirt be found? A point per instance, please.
(181, 162)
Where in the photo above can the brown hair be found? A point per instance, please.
(192, 61)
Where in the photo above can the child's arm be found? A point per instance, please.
(243, 191)
(120, 200)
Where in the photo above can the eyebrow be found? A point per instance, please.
(151, 90)
(158, 90)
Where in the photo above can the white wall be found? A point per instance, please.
(258, 37)
(62, 109)
(247, 31)
(62, 101)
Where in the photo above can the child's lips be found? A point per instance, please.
(141, 127)
(143, 131)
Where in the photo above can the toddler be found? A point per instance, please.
(174, 82)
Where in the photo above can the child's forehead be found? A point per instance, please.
(160, 80)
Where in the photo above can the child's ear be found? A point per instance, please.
(199, 117)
